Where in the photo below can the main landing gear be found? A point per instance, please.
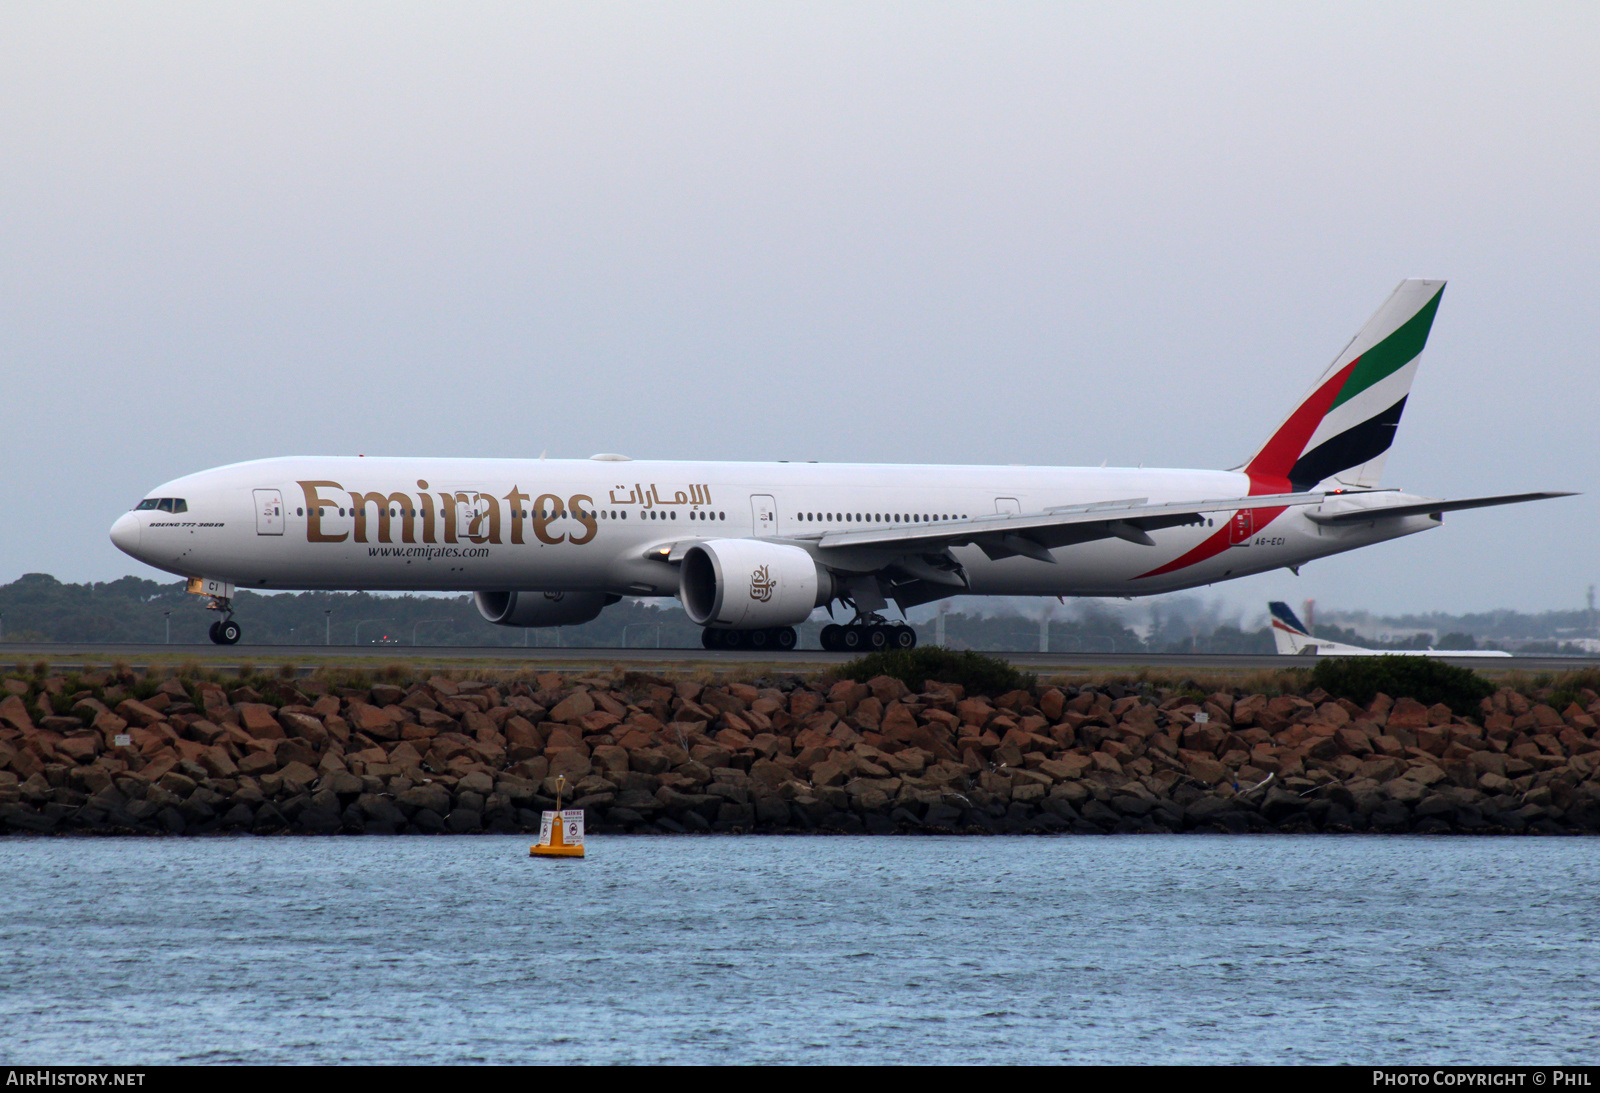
(224, 631)
(781, 638)
(868, 635)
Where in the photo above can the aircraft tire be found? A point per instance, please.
(711, 639)
(216, 638)
(229, 632)
(878, 638)
(785, 638)
(852, 639)
(903, 637)
(830, 638)
(758, 639)
(733, 639)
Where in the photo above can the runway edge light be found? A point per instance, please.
(561, 831)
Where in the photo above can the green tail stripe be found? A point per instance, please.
(1391, 354)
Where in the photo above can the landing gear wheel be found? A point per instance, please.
(711, 639)
(785, 638)
(877, 638)
(852, 639)
(832, 637)
(758, 639)
(733, 639)
(229, 632)
(216, 638)
(903, 637)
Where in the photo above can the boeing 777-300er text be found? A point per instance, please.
(752, 548)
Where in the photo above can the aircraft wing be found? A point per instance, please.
(1034, 534)
(1367, 515)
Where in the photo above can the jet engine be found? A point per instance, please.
(746, 584)
(535, 608)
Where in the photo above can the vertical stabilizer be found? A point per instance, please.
(1288, 631)
(1342, 428)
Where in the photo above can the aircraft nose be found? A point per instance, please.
(125, 533)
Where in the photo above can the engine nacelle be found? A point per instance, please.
(535, 608)
(746, 584)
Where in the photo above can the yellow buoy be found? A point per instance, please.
(561, 831)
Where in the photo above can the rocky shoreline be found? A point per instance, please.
(117, 753)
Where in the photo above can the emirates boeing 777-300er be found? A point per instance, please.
(751, 549)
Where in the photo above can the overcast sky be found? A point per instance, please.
(963, 233)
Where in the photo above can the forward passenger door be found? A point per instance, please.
(269, 512)
(763, 514)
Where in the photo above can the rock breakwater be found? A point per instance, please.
(110, 752)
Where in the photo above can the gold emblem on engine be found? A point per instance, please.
(761, 584)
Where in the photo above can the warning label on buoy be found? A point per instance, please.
(561, 834)
(571, 821)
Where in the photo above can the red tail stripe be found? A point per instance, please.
(1218, 542)
(1269, 470)
(1276, 457)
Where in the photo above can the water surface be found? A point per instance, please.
(1187, 948)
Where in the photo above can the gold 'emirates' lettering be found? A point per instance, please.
(544, 511)
(585, 517)
(515, 499)
(451, 503)
(359, 503)
(427, 512)
(484, 521)
(314, 503)
(482, 513)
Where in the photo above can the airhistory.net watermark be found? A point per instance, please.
(40, 1076)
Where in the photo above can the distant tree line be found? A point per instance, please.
(38, 608)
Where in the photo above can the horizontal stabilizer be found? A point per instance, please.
(1393, 512)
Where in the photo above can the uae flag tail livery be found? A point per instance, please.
(750, 550)
(1339, 434)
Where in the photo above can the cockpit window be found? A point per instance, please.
(146, 504)
(163, 504)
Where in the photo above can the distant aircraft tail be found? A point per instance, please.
(1288, 631)
(1293, 639)
(1342, 428)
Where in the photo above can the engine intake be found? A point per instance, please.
(746, 584)
(535, 608)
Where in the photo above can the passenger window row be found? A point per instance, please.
(521, 514)
(873, 517)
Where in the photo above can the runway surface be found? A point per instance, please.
(501, 656)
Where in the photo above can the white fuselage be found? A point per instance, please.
(598, 525)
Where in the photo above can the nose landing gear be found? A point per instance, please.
(224, 631)
(220, 592)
